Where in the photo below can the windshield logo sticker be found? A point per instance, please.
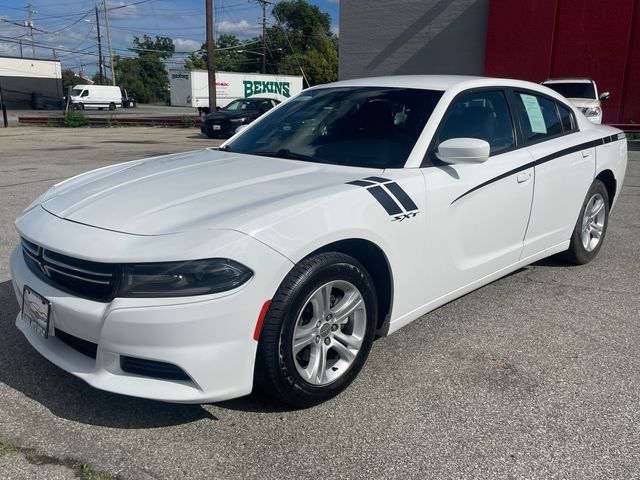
(396, 202)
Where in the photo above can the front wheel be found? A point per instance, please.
(318, 330)
(112, 106)
(591, 226)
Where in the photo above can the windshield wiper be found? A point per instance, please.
(288, 154)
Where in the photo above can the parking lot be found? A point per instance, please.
(533, 376)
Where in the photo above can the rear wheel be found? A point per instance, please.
(591, 226)
(318, 330)
(112, 106)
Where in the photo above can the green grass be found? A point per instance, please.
(89, 473)
(5, 448)
(85, 471)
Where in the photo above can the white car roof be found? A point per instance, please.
(568, 80)
(432, 82)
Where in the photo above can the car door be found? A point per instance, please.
(477, 213)
(564, 169)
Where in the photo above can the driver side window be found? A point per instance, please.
(484, 115)
(85, 93)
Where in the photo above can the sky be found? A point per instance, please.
(70, 26)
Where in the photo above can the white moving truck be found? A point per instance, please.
(96, 96)
(190, 88)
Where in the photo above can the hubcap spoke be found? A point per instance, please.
(302, 341)
(348, 340)
(316, 370)
(344, 352)
(593, 222)
(347, 306)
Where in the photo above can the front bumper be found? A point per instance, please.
(209, 337)
(227, 129)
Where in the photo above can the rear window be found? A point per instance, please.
(566, 118)
(541, 119)
(574, 90)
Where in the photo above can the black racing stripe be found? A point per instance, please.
(378, 179)
(360, 183)
(385, 200)
(397, 191)
(574, 149)
(495, 179)
(547, 158)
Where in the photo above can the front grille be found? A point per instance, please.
(92, 280)
(152, 368)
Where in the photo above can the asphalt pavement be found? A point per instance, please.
(533, 376)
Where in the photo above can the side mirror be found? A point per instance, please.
(463, 150)
(605, 96)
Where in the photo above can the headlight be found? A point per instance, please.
(592, 112)
(182, 279)
(238, 120)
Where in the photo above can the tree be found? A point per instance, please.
(69, 79)
(145, 77)
(302, 37)
(96, 79)
(231, 55)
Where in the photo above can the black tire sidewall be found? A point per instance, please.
(292, 295)
(577, 253)
(112, 106)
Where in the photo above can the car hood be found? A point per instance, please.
(584, 102)
(194, 190)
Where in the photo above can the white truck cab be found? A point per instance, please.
(583, 93)
(96, 96)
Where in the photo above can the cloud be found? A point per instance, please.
(186, 45)
(335, 29)
(124, 11)
(241, 29)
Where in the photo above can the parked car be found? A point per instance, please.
(583, 93)
(349, 211)
(242, 111)
(96, 96)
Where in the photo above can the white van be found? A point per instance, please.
(96, 96)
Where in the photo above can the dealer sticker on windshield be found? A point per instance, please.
(36, 311)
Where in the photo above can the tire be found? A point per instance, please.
(81, 106)
(343, 340)
(591, 227)
(112, 106)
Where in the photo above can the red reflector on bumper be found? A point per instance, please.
(263, 313)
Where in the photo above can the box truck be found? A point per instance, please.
(190, 88)
(95, 96)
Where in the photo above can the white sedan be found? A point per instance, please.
(348, 211)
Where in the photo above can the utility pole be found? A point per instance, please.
(21, 56)
(106, 21)
(211, 57)
(264, 4)
(100, 64)
(30, 25)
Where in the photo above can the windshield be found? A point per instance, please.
(373, 127)
(76, 92)
(574, 90)
(238, 105)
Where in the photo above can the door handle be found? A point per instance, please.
(586, 153)
(523, 177)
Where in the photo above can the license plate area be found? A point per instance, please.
(36, 312)
(217, 127)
